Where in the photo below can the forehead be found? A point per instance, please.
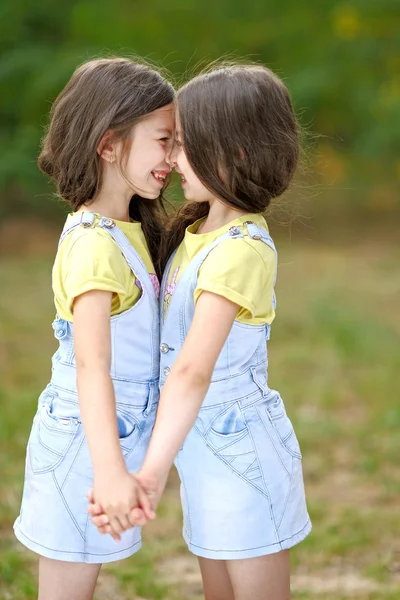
(162, 120)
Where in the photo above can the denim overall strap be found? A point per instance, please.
(186, 278)
(136, 264)
(257, 233)
(86, 219)
(164, 283)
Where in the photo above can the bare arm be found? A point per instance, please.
(187, 383)
(96, 393)
(114, 488)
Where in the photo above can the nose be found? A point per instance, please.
(170, 156)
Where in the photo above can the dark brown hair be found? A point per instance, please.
(102, 94)
(241, 138)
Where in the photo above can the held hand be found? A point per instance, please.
(115, 496)
(137, 515)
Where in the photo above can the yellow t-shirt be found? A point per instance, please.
(241, 270)
(90, 259)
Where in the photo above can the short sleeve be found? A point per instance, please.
(241, 272)
(94, 262)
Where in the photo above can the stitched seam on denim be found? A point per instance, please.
(85, 537)
(70, 401)
(267, 493)
(78, 551)
(257, 328)
(248, 481)
(66, 505)
(223, 412)
(60, 457)
(131, 256)
(228, 355)
(114, 365)
(187, 499)
(230, 402)
(240, 372)
(260, 398)
(274, 444)
(55, 429)
(276, 544)
(292, 453)
(128, 437)
(129, 452)
(251, 468)
(236, 398)
(73, 463)
(220, 414)
(287, 496)
(235, 456)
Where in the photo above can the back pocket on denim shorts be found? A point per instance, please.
(50, 440)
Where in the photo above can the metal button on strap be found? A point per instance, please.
(87, 219)
(166, 371)
(164, 348)
(109, 223)
(234, 230)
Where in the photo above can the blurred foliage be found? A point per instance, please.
(341, 62)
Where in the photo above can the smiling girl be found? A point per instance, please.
(105, 149)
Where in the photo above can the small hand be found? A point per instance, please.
(137, 516)
(115, 498)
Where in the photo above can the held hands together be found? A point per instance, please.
(141, 496)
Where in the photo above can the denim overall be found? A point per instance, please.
(54, 520)
(240, 466)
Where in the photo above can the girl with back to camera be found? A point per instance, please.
(105, 149)
(234, 446)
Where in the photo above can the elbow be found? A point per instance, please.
(89, 369)
(194, 376)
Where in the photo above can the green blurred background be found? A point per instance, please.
(335, 345)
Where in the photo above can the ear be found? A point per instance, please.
(106, 148)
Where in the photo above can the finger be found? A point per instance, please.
(100, 520)
(108, 529)
(104, 529)
(90, 495)
(145, 503)
(124, 521)
(137, 517)
(116, 525)
(95, 509)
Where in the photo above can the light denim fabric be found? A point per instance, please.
(240, 466)
(54, 520)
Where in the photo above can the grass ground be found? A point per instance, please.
(334, 356)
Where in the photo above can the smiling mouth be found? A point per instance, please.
(160, 176)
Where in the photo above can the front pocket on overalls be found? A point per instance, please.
(283, 427)
(50, 440)
(230, 439)
(129, 432)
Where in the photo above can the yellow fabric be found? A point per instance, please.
(89, 259)
(241, 270)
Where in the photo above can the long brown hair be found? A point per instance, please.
(103, 94)
(241, 139)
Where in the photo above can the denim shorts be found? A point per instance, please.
(54, 519)
(241, 480)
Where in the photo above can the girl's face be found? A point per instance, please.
(193, 188)
(152, 139)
